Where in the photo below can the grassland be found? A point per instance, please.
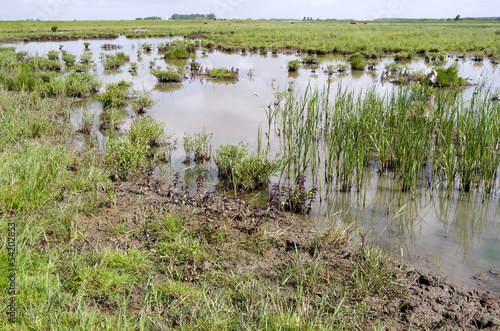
(246, 35)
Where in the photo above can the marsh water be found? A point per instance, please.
(457, 235)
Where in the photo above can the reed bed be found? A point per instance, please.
(420, 136)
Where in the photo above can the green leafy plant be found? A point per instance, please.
(222, 73)
(142, 100)
(148, 131)
(179, 52)
(449, 77)
(53, 55)
(358, 62)
(293, 65)
(199, 145)
(167, 76)
(243, 169)
(116, 94)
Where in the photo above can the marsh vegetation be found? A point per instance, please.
(117, 233)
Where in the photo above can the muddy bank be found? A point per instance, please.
(397, 295)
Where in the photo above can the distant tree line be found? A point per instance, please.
(192, 17)
(148, 18)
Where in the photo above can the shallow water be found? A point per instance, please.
(457, 236)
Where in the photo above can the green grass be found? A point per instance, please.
(177, 53)
(116, 94)
(198, 145)
(243, 169)
(351, 131)
(222, 73)
(293, 65)
(314, 36)
(92, 254)
(167, 76)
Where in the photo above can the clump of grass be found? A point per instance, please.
(41, 63)
(142, 101)
(147, 47)
(310, 60)
(133, 68)
(53, 55)
(89, 119)
(86, 58)
(222, 73)
(69, 59)
(126, 158)
(143, 146)
(478, 56)
(75, 84)
(403, 56)
(436, 57)
(293, 65)
(114, 61)
(449, 77)
(243, 169)
(199, 145)
(179, 52)
(116, 94)
(194, 65)
(167, 76)
(148, 131)
(111, 118)
(358, 62)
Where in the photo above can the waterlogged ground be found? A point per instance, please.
(458, 236)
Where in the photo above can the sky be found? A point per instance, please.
(322, 9)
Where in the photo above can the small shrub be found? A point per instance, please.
(199, 145)
(243, 170)
(148, 131)
(142, 101)
(293, 65)
(133, 67)
(115, 95)
(53, 29)
(69, 59)
(125, 157)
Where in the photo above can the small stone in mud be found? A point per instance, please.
(493, 302)
(495, 273)
(479, 276)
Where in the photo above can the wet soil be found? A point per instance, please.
(421, 300)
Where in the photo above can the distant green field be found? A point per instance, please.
(310, 36)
